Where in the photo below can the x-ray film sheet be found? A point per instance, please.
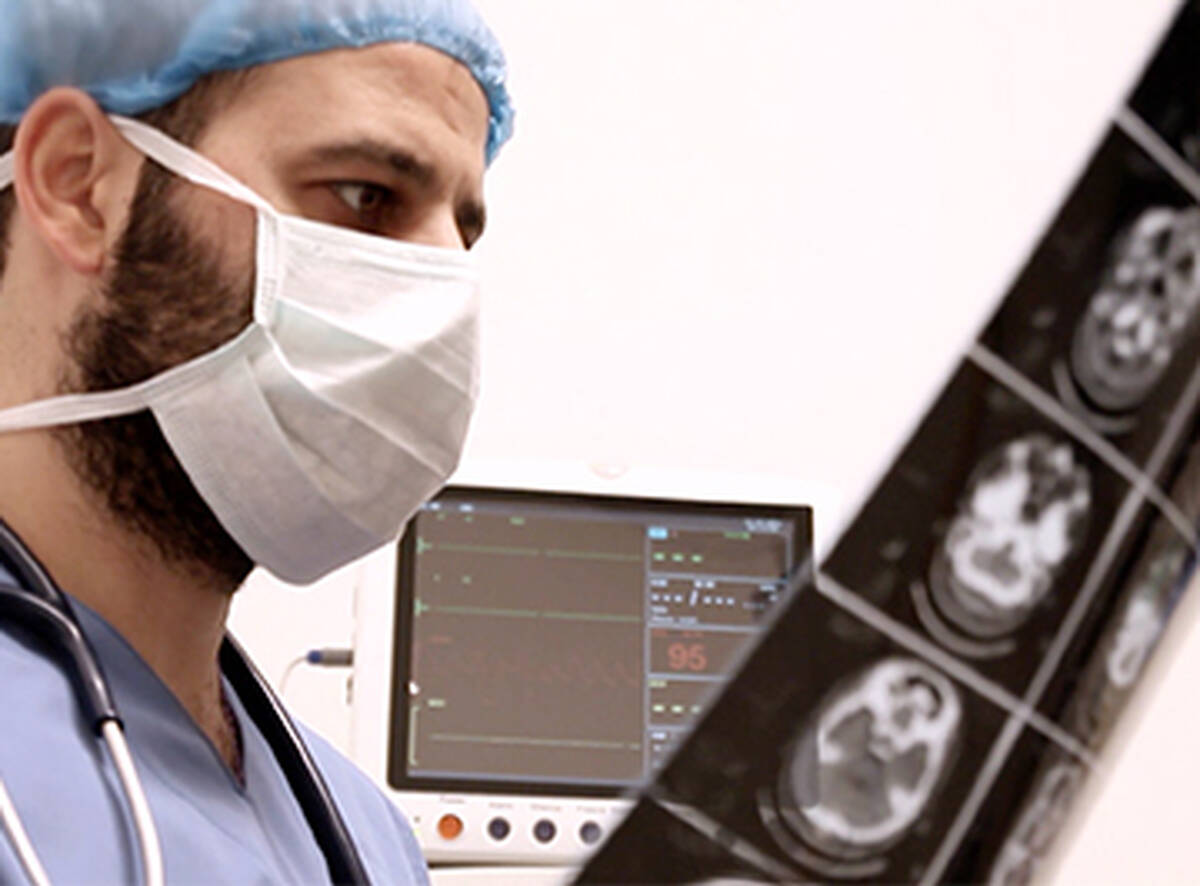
(927, 710)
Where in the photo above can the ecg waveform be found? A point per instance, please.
(422, 608)
(484, 667)
(525, 741)
(540, 638)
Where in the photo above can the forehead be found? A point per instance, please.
(385, 92)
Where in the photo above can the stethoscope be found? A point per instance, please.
(43, 609)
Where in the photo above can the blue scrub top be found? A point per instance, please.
(212, 829)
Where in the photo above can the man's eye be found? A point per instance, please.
(366, 200)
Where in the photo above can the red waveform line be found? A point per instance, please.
(577, 669)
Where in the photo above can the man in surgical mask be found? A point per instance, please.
(237, 328)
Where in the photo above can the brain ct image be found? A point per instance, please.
(1142, 619)
(1038, 826)
(1139, 631)
(1020, 519)
(1034, 535)
(1143, 307)
(869, 760)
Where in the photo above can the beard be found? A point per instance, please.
(169, 299)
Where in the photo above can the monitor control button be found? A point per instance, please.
(450, 827)
(499, 829)
(545, 831)
(590, 833)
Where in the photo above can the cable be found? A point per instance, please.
(328, 657)
(308, 785)
(287, 674)
(151, 851)
(331, 657)
(21, 844)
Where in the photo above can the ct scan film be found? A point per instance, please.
(928, 708)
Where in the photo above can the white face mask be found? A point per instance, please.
(317, 432)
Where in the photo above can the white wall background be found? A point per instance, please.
(754, 235)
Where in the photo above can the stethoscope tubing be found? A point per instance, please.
(35, 871)
(40, 606)
(303, 777)
(57, 626)
(149, 847)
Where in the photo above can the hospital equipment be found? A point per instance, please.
(547, 647)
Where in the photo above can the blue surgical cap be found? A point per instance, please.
(136, 55)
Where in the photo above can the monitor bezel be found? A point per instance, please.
(800, 517)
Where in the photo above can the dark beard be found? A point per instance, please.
(169, 299)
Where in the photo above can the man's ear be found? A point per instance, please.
(74, 177)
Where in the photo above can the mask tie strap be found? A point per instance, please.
(179, 159)
(69, 409)
(194, 167)
(186, 163)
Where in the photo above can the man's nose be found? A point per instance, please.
(438, 228)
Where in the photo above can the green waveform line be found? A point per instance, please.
(536, 742)
(483, 610)
(513, 551)
(594, 555)
(533, 613)
(485, 549)
(592, 616)
(412, 735)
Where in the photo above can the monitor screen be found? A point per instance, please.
(551, 644)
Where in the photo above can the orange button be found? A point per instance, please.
(450, 827)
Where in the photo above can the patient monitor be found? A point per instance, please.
(546, 649)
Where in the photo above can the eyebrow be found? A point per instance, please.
(400, 160)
